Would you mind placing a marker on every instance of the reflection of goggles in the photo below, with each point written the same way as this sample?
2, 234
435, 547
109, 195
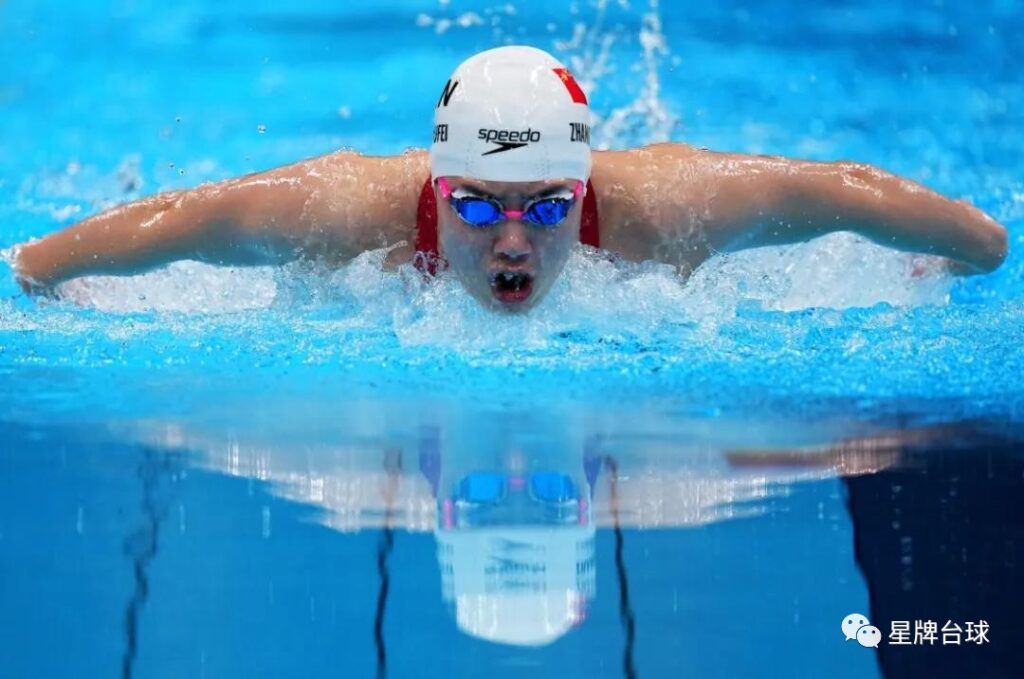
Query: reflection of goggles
483, 211
554, 498
489, 487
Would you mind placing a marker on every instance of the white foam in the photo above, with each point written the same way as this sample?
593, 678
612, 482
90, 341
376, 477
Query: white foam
183, 286
593, 293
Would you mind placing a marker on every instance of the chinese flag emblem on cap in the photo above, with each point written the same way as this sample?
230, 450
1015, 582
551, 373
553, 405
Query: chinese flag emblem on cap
570, 84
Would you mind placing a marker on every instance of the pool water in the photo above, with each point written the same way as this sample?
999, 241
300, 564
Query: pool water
263, 472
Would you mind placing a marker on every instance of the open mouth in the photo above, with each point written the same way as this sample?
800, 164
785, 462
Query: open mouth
511, 286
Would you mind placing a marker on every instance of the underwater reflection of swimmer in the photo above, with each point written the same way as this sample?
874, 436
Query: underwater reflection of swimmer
515, 543
514, 513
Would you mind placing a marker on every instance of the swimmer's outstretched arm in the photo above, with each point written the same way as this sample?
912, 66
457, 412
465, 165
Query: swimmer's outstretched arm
705, 202
332, 207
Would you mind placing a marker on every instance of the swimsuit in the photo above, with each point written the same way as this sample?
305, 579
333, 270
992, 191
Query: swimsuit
427, 257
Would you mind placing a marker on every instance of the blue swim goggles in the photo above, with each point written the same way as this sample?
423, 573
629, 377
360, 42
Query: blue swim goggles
479, 499
480, 211
489, 487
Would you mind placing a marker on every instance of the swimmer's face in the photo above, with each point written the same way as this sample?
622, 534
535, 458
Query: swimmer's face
510, 265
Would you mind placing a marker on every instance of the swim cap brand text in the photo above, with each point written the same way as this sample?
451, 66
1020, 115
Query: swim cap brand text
507, 139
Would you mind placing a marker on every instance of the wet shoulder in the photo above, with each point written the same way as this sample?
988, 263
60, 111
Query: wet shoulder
635, 188
372, 200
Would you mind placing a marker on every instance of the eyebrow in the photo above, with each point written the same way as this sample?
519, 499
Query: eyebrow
543, 193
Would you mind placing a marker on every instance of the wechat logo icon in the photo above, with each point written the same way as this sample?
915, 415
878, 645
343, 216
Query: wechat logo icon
857, 626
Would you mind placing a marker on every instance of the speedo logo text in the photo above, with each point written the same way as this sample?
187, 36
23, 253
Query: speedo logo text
507, 139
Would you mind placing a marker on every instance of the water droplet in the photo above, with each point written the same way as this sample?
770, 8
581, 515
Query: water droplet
181, 171
261, 128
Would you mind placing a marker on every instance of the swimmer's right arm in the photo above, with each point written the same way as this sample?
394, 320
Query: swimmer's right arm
332, 207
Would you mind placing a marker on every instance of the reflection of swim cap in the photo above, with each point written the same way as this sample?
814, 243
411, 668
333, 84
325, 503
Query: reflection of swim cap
511, 114
517, 585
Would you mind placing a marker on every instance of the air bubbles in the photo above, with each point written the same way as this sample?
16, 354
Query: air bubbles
129, 176
465, 20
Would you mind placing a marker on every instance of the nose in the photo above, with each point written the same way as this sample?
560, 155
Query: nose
512, 242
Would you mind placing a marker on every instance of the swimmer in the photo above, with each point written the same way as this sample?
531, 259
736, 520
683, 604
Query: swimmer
506, 190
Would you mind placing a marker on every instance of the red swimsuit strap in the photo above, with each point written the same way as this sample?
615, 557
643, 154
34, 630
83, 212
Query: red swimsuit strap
426, 229
426, 226
590, 232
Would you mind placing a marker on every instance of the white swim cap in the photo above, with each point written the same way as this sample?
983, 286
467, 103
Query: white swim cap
511, 114
518, 585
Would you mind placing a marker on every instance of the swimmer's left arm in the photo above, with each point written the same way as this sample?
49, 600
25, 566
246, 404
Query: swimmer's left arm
774, 201
680, 205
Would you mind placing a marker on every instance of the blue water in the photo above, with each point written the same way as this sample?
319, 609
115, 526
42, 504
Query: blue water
214, 472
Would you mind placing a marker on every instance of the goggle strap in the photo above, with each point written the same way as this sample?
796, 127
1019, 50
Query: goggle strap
446, 190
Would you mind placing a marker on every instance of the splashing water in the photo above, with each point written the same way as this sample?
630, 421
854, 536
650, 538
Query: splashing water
644, 120
783, 279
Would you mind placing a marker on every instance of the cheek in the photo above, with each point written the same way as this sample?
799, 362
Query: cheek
558, 246
462, 248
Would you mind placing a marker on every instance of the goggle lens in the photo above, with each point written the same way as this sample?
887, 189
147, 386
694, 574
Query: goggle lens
482, 488
477, 211
552, 487
549, 212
